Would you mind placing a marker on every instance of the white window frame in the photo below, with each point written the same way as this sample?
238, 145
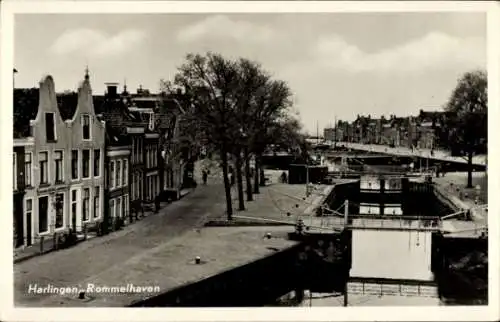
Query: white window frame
93, 162
62, 166
90, 167
118, 173
118, 207
78, 165
30, 170
63, 210
71, 203
98, 188
14, 170
90, 126
47, 232
40, 169
112, 169
125, 173
83, 203
125, 206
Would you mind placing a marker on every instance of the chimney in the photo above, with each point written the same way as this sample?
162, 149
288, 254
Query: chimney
112, 90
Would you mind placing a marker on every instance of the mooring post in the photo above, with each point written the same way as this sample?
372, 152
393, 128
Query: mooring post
345, 292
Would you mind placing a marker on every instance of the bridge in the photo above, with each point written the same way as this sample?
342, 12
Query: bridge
479, 160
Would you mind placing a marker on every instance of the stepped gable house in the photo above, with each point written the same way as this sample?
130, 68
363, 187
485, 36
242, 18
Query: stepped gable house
60, 142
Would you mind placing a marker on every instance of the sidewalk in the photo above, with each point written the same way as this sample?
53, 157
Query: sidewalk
453, 187
278, 202
22, 254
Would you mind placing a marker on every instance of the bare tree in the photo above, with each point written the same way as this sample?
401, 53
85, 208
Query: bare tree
208, 82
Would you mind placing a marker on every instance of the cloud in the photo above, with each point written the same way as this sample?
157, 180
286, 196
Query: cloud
90, 42
223, 27
433, 51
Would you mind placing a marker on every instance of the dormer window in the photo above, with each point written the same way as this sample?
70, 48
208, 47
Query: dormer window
86, 126
50, 129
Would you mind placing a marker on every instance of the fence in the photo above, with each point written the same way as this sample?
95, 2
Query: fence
402, 289
396, 223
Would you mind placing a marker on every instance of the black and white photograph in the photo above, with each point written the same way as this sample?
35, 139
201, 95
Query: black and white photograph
248, 158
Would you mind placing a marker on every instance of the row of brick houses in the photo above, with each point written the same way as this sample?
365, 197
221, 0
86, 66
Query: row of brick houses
80, 160
421, 131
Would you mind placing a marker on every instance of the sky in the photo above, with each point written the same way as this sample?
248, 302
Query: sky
338, 65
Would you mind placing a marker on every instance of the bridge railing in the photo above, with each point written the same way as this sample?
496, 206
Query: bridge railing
382, 222
400, 288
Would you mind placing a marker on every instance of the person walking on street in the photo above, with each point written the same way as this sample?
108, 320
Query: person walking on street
205, 176
231, 178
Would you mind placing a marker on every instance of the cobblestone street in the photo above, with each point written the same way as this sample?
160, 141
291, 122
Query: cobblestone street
94, 256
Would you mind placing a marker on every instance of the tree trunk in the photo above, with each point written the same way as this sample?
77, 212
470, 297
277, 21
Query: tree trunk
227, 186
248, 176
256, 175
239, 182
469, 169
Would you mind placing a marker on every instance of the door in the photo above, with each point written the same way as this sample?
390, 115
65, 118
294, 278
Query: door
76, 211
28, 229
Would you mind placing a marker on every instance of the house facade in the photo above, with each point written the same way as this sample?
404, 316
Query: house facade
22, 234
123, 151
59, 149
173, 162
117, 192
86, 161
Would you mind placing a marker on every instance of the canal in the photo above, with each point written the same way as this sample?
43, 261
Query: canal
402, 262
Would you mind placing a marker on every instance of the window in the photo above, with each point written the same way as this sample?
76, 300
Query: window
133, 150
97, 193
97, 162
50, 130
43, 214
125, 206
14, 170
125, 172
86, 163
73, 208
27, 169
74, 164
58, 160
86, 126
139, 151
118, 173
42, 159
59, 207
85, 204
119, 207
112, 208
112, 174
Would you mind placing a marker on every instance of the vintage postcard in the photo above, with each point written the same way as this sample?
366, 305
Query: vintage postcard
243, 161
